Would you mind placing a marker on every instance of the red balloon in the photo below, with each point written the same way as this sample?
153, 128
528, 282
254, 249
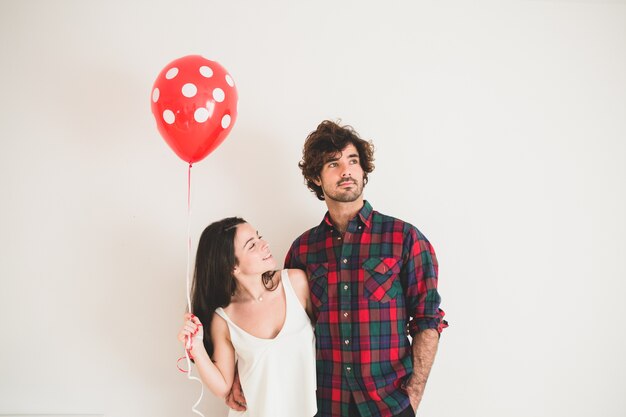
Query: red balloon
194, 102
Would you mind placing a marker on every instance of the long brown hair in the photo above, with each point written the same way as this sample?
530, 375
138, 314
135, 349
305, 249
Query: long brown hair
214, 283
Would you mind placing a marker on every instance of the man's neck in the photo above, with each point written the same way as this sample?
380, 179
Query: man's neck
342, 213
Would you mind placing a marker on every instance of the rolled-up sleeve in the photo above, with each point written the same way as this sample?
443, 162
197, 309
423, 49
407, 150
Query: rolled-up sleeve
419, 279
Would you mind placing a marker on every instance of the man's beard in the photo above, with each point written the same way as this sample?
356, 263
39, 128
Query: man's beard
345, 196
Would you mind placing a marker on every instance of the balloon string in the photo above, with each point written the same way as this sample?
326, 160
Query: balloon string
189, 341
194, 378
189, 238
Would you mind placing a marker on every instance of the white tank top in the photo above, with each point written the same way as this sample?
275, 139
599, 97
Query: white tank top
277, 375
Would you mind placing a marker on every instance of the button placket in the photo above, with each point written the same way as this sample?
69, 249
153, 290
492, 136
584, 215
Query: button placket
345, 302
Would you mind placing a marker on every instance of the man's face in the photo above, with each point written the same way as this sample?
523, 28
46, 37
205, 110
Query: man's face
341, 178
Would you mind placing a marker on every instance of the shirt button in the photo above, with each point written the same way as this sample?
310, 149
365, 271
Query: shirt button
345, 287
338, 237
345, 260
347, 341
348, 369
345, 314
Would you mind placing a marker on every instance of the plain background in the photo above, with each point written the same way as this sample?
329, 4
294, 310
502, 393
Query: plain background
500, 130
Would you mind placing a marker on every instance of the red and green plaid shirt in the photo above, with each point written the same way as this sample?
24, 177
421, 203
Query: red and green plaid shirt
369, 288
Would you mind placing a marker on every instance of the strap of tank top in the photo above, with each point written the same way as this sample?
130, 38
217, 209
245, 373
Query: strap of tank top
220, 312
289, 292
291, 298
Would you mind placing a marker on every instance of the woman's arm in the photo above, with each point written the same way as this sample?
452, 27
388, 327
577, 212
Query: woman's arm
217, 374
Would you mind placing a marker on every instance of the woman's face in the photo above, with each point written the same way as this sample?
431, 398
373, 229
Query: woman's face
252, 252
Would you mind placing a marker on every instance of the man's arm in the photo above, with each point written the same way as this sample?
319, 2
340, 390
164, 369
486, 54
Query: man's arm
421, 275
235, 398
424, 350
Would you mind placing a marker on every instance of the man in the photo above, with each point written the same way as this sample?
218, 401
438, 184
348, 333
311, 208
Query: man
372, 279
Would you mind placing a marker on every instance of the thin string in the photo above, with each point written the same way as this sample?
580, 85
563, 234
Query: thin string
188, 238
189, 338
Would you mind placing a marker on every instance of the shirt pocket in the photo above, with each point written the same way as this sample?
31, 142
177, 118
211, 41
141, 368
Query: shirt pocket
318, 284
381, 281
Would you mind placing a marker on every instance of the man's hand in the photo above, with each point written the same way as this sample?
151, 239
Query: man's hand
415, 390
424, 350
235, 398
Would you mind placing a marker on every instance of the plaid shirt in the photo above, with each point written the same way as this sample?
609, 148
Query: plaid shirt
369, 288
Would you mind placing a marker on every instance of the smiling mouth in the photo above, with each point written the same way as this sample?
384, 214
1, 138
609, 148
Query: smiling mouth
267, 257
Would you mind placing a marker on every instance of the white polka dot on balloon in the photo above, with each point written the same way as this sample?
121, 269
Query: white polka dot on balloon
201, 114
171, 73
169, 116
206, 71
155, 95
225, 121
229, 80
218, 95
189, 90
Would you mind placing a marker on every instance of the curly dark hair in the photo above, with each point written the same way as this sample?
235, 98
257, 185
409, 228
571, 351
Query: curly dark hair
326, 141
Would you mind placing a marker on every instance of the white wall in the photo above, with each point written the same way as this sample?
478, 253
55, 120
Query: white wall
500, 129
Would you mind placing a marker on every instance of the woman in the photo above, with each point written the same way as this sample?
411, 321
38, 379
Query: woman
256, 319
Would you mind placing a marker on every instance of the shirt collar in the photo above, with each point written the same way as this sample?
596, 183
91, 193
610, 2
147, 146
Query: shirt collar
364, 215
